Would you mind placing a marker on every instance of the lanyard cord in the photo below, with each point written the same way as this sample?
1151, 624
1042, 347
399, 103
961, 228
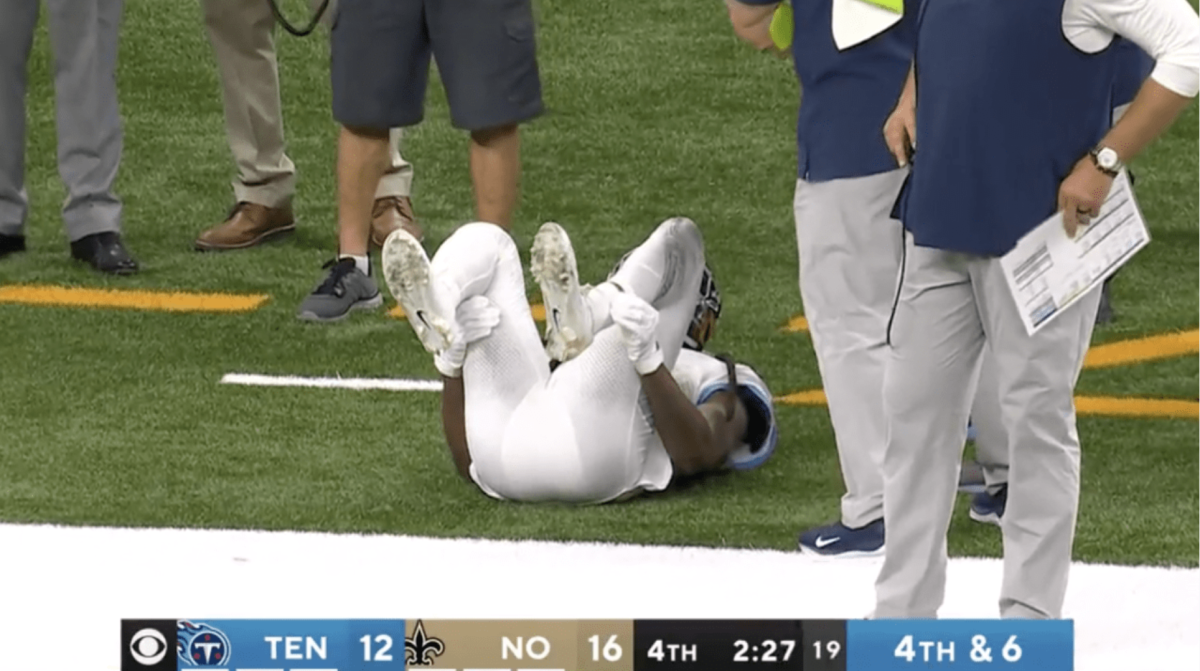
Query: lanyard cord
307, 30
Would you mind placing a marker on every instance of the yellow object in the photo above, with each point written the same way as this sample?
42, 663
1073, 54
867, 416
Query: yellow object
166, 301
890, 5
782, 26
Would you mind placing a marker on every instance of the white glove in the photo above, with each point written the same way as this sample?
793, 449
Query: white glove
639, 330
474, 320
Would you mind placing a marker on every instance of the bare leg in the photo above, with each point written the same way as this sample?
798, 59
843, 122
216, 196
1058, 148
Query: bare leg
496, 173
363, 157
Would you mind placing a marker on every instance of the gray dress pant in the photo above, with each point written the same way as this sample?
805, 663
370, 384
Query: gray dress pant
84, 36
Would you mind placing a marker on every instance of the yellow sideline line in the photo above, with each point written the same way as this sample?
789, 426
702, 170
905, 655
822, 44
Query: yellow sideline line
1107, 406
1103, 355
538, 310
167, 301
1143, 349
797, 324
1125, 352
1110, 406
810, 397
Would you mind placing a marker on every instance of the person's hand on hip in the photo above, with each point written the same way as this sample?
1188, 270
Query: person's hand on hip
900, 130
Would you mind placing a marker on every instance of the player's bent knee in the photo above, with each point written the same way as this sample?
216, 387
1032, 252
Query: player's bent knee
683, 229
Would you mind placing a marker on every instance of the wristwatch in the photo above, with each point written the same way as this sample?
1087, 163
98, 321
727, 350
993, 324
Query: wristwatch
1106, 160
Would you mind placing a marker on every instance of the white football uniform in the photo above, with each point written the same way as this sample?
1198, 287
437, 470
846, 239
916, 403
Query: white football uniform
584, 433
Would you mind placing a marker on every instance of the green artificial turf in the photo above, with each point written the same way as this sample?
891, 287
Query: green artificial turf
654, 109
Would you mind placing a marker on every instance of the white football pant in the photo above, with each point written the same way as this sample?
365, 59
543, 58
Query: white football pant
584, 433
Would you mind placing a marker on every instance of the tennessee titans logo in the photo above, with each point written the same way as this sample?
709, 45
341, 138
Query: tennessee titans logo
202, 645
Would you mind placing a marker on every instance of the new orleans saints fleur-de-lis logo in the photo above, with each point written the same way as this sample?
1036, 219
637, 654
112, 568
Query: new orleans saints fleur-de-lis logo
421, 649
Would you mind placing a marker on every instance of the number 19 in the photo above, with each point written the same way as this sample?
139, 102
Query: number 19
832, 648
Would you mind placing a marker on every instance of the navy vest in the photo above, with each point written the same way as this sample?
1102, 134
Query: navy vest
1133, 67
1005, 108
847, 95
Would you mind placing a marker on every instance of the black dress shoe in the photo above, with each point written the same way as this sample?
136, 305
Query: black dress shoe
10, 244
105, 253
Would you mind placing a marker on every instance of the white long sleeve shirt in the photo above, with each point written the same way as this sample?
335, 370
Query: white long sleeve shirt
1168, 30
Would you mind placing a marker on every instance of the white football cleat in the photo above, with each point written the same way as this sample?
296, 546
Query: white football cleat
409, 277
568, 318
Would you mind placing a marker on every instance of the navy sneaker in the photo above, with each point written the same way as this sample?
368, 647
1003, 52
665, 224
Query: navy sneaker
989, 508
839, 540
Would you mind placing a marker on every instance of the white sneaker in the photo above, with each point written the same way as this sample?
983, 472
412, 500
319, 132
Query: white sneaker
408, 275
568, 319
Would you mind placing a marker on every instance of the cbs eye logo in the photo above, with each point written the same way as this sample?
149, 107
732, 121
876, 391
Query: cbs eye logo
148, 647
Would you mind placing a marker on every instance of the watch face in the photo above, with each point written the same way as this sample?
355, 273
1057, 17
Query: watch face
1107, 158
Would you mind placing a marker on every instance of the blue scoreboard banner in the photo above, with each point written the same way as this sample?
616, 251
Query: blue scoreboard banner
345, 645
1013, 645
596, 645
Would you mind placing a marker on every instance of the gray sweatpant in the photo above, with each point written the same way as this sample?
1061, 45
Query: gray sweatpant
84, 36
850, 249
950, 307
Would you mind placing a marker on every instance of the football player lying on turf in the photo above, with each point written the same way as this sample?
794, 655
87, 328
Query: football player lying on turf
625, 410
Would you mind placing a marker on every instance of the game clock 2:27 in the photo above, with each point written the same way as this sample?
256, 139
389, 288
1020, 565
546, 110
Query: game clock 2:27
766, 652
752, 645
780, 652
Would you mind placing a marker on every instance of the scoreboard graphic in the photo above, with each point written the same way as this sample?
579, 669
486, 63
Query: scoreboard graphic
595, 645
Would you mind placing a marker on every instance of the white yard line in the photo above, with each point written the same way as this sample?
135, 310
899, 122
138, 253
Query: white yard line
360, 383
1125, 617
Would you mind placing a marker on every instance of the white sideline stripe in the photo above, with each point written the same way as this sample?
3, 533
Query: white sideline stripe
360, 383
1125, 617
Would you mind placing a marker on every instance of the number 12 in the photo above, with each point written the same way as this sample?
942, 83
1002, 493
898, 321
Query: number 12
382, 654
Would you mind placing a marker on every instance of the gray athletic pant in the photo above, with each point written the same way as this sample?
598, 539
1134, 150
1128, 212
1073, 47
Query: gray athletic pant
84, 36
991, 438
991, 441
850, 249
950, 307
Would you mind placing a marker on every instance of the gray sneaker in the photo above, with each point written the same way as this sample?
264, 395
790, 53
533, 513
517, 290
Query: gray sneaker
346, 289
